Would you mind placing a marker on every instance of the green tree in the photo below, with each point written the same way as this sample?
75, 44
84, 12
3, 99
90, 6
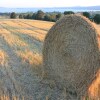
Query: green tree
40, 15
68, 12
47, 18
29, 16
53, 17
13, 15
34, 16
58, 16
86, 14
97, 18
20, 16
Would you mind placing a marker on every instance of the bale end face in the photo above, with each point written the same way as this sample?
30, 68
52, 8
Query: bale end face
71, 54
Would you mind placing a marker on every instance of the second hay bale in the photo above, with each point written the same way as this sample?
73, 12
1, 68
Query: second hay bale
71, 54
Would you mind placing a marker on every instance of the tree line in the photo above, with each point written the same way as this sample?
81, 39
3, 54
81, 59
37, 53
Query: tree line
53, 17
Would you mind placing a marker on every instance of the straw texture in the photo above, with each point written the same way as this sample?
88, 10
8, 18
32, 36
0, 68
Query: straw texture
71, 55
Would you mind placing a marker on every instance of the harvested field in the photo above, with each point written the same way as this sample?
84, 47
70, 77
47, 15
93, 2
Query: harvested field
21, 59
21, 43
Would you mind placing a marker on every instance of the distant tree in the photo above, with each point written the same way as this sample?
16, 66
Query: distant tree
34, 16
53, 17
86, 14
29, 16
21, 16
40, 15
47, 18
58, 16
68, 12
24, 16
13, 15
97, 18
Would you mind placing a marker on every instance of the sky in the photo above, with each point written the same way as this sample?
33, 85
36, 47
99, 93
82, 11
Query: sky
48, 3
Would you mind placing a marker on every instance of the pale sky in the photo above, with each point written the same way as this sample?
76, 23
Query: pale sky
48, 3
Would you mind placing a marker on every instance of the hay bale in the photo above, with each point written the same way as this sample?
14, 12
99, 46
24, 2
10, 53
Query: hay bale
71, 54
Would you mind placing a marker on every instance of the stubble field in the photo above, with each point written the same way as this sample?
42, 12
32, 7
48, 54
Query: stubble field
21, 44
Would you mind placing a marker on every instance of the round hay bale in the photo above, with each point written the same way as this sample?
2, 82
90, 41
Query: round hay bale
71, 54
